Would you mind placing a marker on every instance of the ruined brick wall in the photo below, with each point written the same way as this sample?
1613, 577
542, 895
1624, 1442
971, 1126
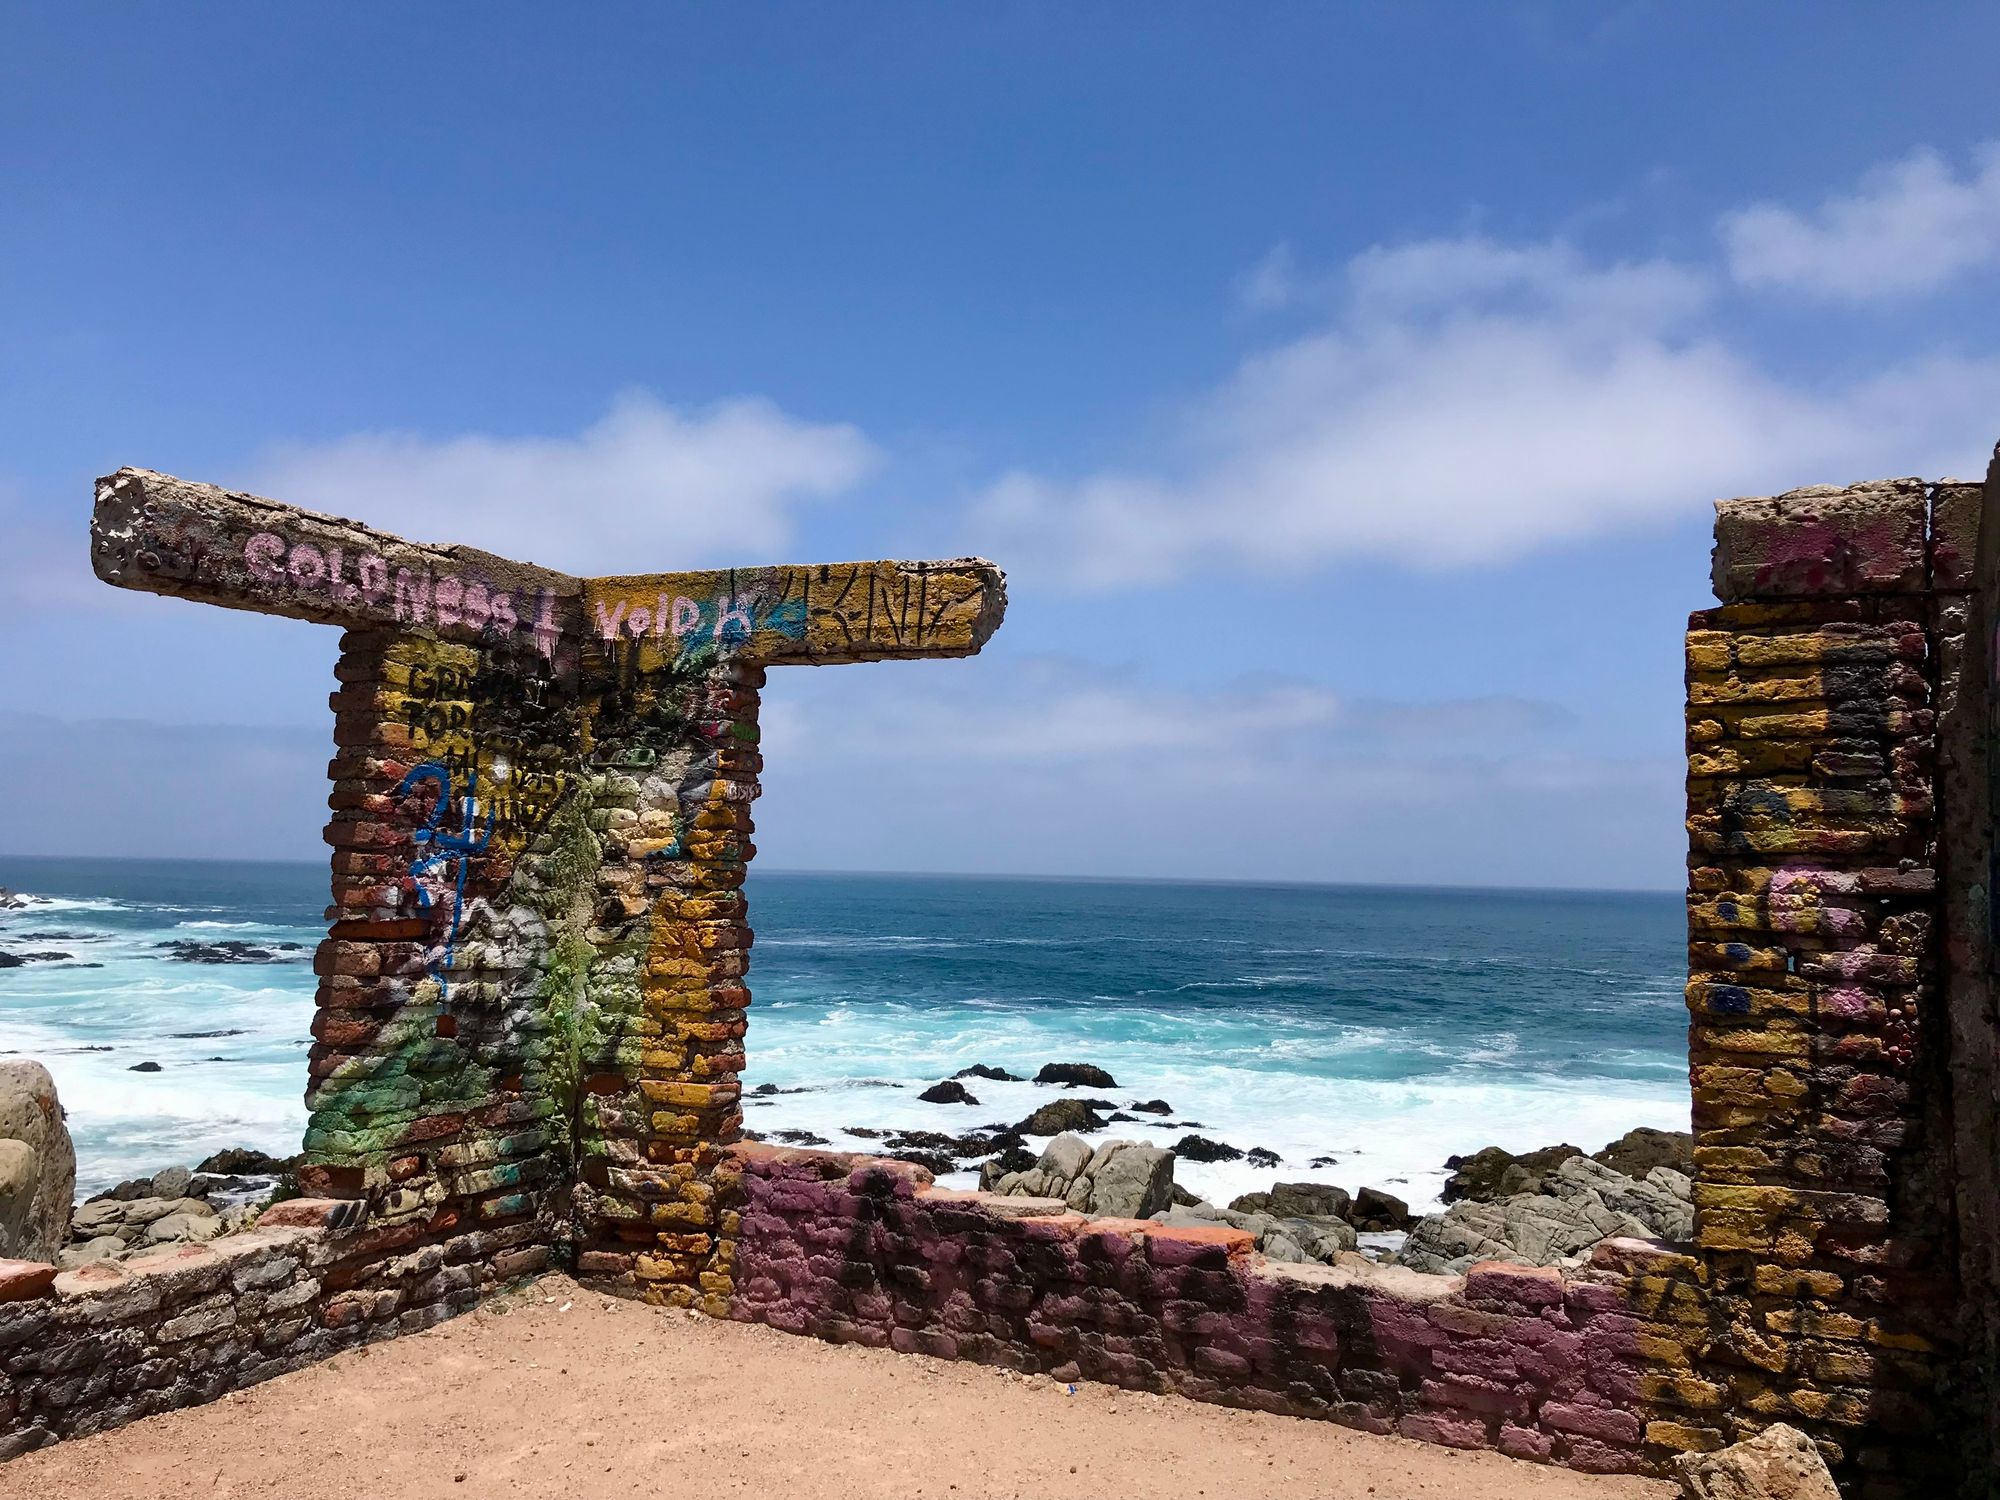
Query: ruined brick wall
90, 1349
1540, 1364
1818, 1043
533, 997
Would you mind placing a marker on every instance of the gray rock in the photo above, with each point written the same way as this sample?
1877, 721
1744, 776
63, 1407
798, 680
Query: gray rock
1297, 1200
95, 1218
1129, 1180
1492, 1174
1067, 1156
1637, 1152
173, 1182
177, 1227
83, 1252
1120, 1179
37, 1167
1298, 1240
1582, 1201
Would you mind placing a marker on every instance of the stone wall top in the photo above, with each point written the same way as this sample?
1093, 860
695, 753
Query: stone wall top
164, 535
1822, 541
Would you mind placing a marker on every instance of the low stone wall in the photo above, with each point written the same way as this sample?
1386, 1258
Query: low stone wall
90, 1349
1535, 1363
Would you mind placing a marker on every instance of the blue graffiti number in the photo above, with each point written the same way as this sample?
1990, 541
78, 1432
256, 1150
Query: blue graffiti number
437, 847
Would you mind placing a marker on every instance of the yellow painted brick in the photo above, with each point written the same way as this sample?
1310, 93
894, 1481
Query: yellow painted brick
1888, 1338
1682, 1438
1683, 1390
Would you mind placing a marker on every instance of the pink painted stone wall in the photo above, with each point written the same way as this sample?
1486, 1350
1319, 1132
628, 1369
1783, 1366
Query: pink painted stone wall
1532, 1362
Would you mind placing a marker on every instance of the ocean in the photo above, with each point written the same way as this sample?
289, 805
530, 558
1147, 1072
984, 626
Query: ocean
1383, 1028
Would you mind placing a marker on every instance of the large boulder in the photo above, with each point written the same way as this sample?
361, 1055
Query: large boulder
1492, 1174
1120, 1179
1376, 1211
1127, 1181
1296, 1200
1637, 1152
1779, 1463
37, 1164
1581, 1202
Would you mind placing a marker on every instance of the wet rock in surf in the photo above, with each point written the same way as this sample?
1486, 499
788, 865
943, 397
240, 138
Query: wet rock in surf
230, 951
1072, 1074
981, 1070
1061, 1115
951, 1091
1201, 1148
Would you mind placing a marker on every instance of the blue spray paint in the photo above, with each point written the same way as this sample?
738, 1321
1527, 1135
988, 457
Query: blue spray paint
446, 847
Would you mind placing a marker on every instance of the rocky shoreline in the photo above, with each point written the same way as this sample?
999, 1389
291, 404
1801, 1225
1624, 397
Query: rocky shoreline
1546, 1207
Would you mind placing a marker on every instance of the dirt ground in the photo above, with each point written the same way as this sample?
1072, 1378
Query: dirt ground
559, 1392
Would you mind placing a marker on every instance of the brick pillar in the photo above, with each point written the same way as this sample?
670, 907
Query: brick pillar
429, 1091
674, 764
1817, 1039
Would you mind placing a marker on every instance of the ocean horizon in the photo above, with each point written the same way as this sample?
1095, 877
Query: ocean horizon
1374, 1030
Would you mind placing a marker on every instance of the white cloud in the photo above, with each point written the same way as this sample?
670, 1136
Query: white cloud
1470, 402
646, 487
1909, 227
1272, 283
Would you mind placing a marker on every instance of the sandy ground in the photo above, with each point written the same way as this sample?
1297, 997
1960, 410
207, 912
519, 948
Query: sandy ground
559, 1392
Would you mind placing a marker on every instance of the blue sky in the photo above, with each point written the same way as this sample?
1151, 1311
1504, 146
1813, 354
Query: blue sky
1344, 391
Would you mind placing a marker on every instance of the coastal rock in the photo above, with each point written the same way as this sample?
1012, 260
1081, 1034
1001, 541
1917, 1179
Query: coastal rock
172, 1182
37, 1164
1257, 1156
1637, 1152
1122, 1179
1286, 1200
1582, 1202
1201, 1148
1375, 1212
1779, 1463
1151, 1107
1072, 1074
183, 1226
9, 901
1013, 1159
144, 1067
1492, 1174
84, 1252
1061, 1115
1298, 1239
951, 1091
15, 960
997, 1075
242, 1161
231, 951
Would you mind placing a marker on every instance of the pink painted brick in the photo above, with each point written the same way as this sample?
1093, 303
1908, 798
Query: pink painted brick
1605, 1423
1438, 1427
1517, 1286
1525, 1442
22, 1279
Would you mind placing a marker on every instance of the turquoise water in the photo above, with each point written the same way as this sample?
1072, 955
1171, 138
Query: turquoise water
1384, 1028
